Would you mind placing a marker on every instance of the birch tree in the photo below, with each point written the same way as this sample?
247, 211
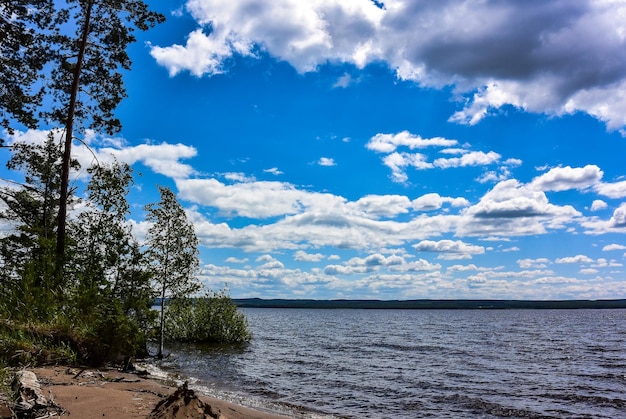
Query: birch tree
172, 252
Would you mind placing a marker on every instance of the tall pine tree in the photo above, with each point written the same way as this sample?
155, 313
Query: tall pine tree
62, 63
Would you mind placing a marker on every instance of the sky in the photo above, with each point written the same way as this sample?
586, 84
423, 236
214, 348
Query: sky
361, 149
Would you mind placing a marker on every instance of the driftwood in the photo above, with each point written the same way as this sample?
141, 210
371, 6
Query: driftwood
30, 401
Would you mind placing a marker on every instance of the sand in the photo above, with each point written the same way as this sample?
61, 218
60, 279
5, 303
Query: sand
101, 393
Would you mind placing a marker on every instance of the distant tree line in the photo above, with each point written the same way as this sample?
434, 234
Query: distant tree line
427, 304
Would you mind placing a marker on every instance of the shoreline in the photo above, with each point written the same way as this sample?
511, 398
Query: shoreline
106, 392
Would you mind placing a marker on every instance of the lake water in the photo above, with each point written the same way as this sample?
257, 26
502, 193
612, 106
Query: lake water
420, 363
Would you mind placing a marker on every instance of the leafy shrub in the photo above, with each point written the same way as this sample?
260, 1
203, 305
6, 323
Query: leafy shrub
213, 318
35, 345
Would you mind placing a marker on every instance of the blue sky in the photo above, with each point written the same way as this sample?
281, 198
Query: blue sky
385, 150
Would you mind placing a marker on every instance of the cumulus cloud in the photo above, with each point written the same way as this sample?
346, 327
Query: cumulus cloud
556, 57
233, 259
539, 263
598, 205
613, 246
326, 161
565, 178
475, 158
259, 199
376, 206
399, 161
273, 171
376, 262
388, 143
615, 224
619, 216
511, 208
450, 249
434, 201
612, 190
575, 259
302, 256
510, 199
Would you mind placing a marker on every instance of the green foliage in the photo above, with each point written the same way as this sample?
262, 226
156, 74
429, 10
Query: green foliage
23, 54
23, 344
172, 252
101, 306
29, 283
213, 318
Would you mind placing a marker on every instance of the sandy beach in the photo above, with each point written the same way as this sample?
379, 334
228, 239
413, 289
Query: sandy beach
97, 393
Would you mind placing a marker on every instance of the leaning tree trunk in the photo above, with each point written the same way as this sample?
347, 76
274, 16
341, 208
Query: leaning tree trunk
69, 134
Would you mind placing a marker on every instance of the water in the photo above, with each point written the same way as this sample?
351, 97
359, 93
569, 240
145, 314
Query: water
421, 363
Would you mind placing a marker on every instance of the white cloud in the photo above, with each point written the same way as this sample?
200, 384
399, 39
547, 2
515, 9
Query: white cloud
326, 161
303, 256
613, 246
376, 206
554, 58
455, 249
616, 224
260, 199
236, 260
398, 162
565, 178
161, 158
475, 158
612, 190
273, 171
434, 201
202, 54
510, 249
388, 143
598, 205
539, 263
619, 216
344, 81
511, 208
575, 259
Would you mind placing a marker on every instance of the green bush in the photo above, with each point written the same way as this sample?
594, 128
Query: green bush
213, 318
22, 345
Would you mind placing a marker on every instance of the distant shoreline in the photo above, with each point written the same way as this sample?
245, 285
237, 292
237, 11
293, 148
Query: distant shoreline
430, 304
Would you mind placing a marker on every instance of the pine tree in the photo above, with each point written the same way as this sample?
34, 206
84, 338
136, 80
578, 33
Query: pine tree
54, 76
29, 281
24, 50
91, 62
172, 252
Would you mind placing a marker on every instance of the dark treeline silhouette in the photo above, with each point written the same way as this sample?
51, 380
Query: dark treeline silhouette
431, 304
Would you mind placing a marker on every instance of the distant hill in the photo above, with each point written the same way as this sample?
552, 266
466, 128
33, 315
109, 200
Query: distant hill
428, 304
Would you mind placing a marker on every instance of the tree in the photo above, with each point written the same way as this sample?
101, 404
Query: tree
101, 236
27, 253
73, 79
23, 54
112, 296
172, 252
104, 31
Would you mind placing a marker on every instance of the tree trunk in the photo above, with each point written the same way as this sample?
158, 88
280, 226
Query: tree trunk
162, 337
69, 134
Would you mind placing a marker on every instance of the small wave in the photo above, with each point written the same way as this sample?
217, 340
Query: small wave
483, 407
